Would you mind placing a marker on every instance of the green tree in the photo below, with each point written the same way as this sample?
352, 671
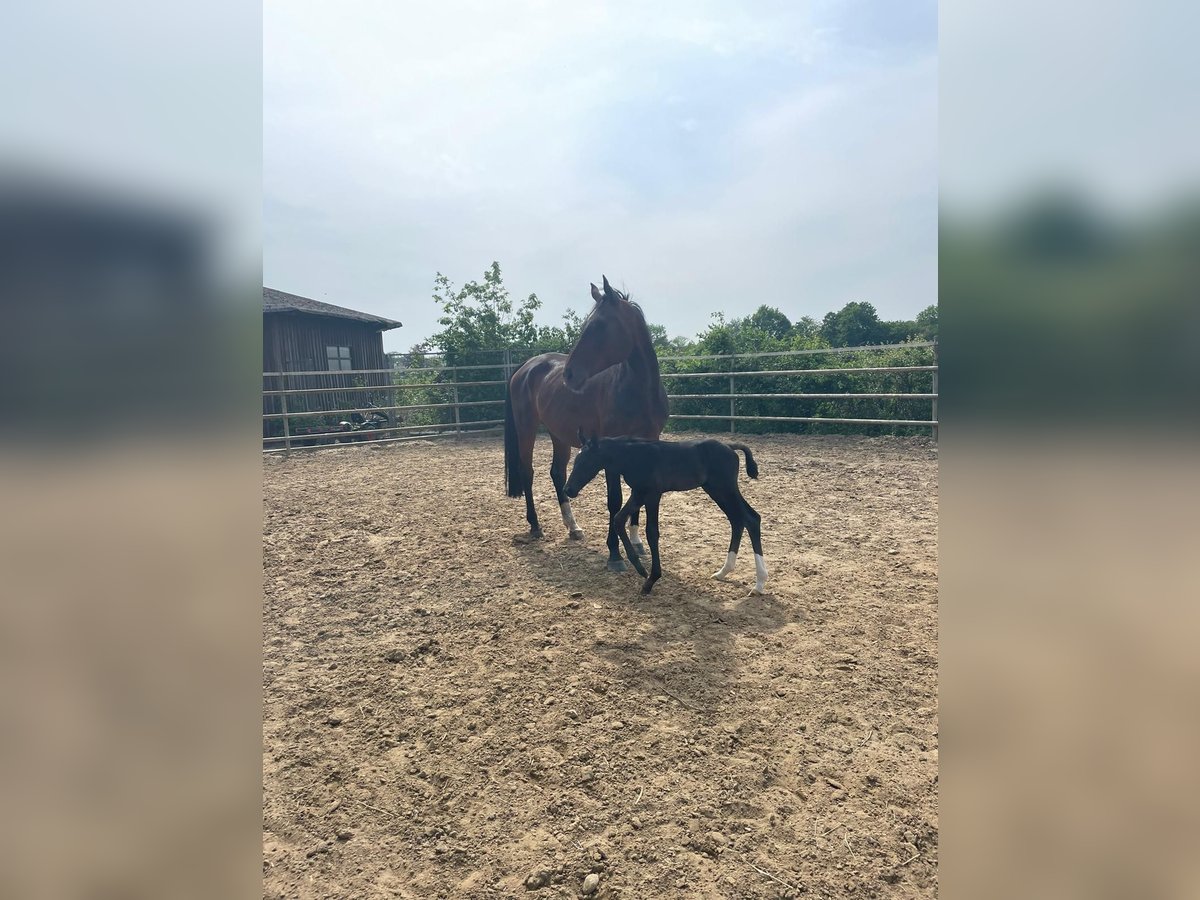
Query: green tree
557, 338
854, 325
482, 316
720, 337
896, 332
927, 322
770, 320
805, 327
660, 339
572, 326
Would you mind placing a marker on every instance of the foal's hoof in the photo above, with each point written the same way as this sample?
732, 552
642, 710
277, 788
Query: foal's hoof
640, 550
577, 534
616, 565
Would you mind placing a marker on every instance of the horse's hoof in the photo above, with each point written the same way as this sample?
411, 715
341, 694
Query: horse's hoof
577, 534
647, 587
535, 534
616, 565
720, 575
640, 550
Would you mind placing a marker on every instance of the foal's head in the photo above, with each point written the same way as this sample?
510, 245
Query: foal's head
588, 464
609, 335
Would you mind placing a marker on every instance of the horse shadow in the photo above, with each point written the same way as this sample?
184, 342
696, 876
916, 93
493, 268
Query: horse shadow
678, 640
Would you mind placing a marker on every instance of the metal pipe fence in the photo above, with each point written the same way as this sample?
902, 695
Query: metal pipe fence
286, 409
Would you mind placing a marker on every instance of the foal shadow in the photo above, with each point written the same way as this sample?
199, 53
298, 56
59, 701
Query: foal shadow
677, 640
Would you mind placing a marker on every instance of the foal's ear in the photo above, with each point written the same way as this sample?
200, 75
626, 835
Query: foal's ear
596, 295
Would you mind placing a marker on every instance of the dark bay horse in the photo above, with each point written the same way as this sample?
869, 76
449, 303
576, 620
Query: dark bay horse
609, 385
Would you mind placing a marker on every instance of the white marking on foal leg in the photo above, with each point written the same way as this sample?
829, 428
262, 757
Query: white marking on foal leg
569, 520
730, 562
636, 540
760, 573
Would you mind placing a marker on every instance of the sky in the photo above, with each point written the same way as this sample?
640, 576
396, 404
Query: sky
704, 156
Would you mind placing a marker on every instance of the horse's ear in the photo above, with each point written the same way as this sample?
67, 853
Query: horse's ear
596, 295
582, 440
608, 291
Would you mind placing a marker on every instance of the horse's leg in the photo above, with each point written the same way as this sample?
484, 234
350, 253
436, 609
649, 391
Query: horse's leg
627, 510
652, 536
558, 474
638, 546
754, 526
613, 481
535, 530
732, 507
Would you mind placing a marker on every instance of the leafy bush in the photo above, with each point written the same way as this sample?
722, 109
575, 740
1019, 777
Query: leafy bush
485, 330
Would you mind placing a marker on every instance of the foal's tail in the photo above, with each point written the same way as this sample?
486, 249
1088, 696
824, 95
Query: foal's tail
751, 465
514, 482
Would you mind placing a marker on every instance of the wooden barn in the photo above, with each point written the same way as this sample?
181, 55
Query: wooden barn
311, 343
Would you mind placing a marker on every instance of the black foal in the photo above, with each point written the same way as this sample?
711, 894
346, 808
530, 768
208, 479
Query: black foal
651, 468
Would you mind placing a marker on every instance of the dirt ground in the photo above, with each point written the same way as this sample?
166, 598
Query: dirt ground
452, 713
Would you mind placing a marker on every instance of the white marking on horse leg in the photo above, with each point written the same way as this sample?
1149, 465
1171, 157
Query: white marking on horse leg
636, 540
569, 520
760, 573
730, 562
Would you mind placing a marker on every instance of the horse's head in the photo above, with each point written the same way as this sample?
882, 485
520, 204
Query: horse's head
588, 464
608, 336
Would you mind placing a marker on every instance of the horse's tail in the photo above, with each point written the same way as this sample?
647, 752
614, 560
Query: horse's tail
514, 482
751, 465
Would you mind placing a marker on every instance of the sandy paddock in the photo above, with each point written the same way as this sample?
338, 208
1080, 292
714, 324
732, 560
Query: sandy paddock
452, 713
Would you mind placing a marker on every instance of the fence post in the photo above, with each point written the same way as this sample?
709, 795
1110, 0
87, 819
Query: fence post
507, 371
934, 414
732, 402
457, 420
287, 431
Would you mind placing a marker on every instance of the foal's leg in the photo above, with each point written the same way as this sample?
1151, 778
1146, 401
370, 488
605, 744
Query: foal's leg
636, 540
737, 524
613, 481
629, 509
558, 474
652, 536
754, 525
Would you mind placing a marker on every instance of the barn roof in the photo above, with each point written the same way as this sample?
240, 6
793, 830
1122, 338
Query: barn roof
281, 302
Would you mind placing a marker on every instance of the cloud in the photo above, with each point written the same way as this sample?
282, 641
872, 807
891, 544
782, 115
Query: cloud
711, 156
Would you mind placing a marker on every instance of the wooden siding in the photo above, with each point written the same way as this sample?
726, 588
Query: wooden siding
295, 342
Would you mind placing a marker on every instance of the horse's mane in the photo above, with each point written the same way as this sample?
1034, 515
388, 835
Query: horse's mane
625, 298
649, 356
636, 307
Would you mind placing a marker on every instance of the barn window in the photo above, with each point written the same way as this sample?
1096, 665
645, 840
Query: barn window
339, 358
